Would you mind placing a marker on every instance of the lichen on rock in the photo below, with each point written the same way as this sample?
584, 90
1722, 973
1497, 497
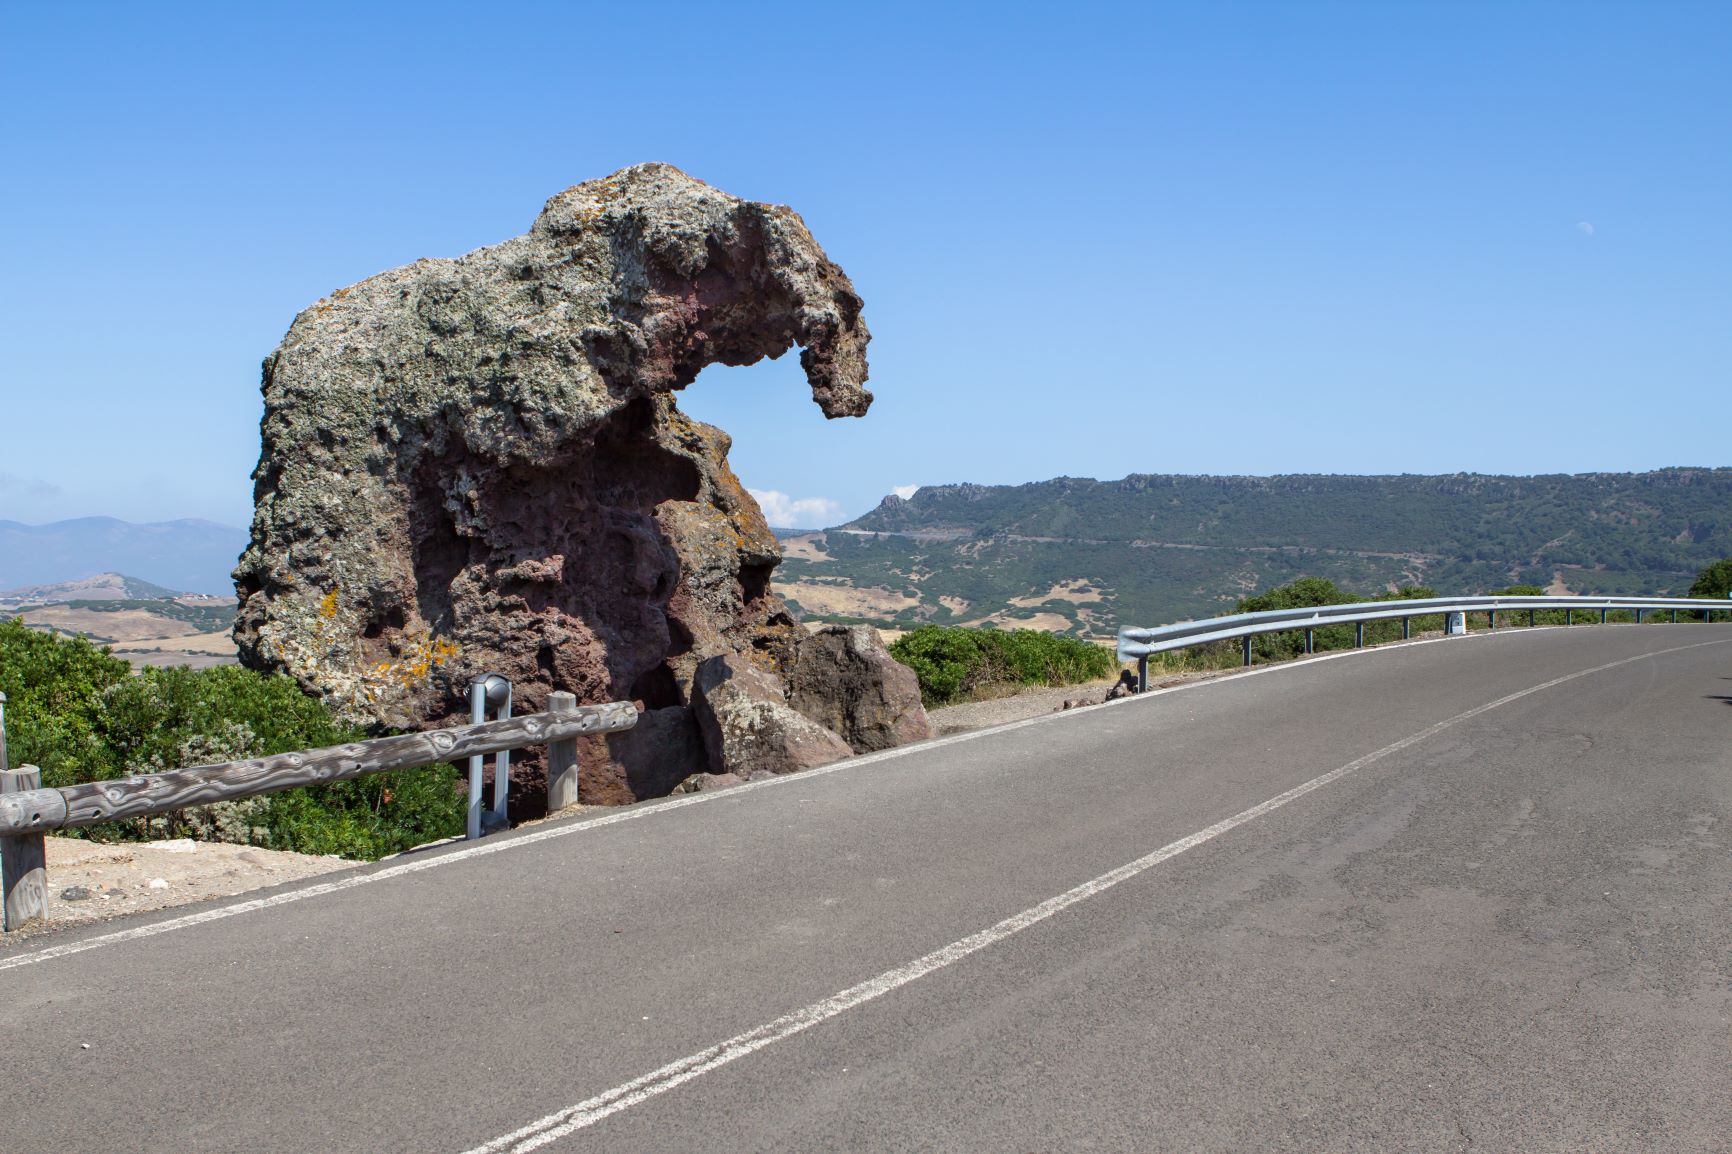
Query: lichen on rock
478, 464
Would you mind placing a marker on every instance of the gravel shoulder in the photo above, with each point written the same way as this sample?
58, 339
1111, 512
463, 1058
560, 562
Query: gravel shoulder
973, 715
92, 881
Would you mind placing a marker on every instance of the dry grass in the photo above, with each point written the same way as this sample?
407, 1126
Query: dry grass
119, 625
845, 600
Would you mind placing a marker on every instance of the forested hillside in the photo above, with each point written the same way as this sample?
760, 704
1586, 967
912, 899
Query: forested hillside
1081, 555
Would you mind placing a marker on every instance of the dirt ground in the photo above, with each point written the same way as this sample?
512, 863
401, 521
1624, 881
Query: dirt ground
93, 881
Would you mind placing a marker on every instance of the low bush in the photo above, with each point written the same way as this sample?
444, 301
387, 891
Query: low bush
78, 713
958, 664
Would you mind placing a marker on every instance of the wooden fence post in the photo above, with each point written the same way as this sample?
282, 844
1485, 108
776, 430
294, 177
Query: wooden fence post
561, 758
23, 860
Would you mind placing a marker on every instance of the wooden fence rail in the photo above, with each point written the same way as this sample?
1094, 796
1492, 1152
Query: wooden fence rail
28, 813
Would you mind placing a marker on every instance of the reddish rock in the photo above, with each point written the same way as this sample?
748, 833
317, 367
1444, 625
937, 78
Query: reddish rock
844, 679
477, 464
748, 726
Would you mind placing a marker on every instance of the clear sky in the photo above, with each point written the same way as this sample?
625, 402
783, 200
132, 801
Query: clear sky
1092, 239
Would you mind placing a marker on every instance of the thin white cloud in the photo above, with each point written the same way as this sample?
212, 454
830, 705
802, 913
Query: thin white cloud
785, 512
1586, 226
906, 491
12, 483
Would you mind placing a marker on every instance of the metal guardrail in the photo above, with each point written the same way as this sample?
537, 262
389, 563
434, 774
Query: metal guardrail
1141, 644
28, 811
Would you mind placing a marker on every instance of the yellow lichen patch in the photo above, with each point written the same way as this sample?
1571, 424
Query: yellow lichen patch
333, 656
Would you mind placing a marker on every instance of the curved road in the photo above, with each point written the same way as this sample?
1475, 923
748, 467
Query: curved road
1468, 894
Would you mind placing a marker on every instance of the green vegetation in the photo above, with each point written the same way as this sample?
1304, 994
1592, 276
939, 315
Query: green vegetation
956, 664
77, 712
1713, 581
1307, 592
1157, 549
207, 618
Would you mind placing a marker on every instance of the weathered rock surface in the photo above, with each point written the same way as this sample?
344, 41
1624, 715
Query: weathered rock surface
477, 464
844, 679
749, 727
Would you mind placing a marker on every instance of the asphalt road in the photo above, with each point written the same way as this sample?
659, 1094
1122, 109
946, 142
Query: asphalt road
1470, 894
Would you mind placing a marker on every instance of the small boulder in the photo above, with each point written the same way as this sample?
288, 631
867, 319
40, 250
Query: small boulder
76, 894
748, 726
845, 680
706, 782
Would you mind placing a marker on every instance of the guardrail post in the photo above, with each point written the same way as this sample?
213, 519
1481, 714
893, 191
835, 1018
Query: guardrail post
1247, 645
1569, 617
1674, 617
561, 757
1310, 645
1491, 618
23, 861
1359, 635
488, 689
1530, 618
1142, 673
1406, 628
1602, 617
1638, 616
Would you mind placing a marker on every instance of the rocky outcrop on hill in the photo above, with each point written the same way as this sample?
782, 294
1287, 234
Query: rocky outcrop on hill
477, 464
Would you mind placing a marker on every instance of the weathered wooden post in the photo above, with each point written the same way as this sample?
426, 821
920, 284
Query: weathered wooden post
561, 757
23, 860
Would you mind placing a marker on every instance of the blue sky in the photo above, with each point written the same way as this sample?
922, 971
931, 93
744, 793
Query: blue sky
1092, 239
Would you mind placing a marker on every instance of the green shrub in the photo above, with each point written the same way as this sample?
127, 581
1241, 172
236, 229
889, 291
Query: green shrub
955, 663
82, 717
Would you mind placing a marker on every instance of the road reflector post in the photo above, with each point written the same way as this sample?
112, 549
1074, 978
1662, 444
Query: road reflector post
23, 860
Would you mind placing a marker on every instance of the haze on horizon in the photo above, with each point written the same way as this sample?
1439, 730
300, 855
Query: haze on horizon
1124, 238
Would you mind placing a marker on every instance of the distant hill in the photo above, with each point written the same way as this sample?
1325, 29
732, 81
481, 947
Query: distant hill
100, 587
1083, 555
142, 622
188, 554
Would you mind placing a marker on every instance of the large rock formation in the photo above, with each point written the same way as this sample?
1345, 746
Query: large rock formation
478, 464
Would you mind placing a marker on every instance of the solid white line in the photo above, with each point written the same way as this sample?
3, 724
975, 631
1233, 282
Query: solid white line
659, 1081
517, 841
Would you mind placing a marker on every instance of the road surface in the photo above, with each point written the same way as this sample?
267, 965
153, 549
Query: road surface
1464, 894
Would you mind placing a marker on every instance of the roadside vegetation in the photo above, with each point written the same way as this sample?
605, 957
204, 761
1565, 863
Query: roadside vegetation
1306, 592
957, 664
78, 712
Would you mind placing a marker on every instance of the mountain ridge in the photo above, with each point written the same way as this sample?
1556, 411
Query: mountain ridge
1149, 547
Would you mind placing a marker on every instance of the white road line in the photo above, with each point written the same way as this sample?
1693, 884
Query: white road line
517, 841
659, 1081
